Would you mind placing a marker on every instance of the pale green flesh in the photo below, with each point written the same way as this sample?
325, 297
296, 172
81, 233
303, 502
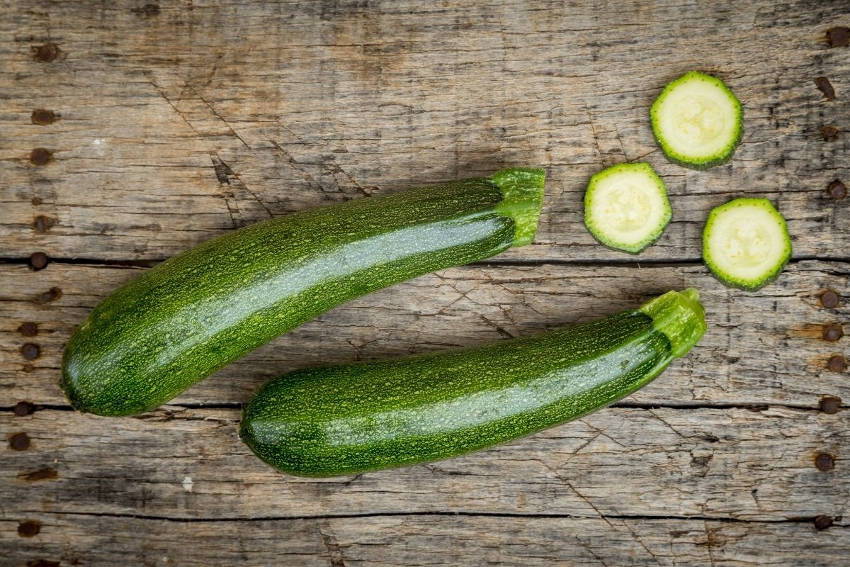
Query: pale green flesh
351, 418
626, 207
697, 120
746, 243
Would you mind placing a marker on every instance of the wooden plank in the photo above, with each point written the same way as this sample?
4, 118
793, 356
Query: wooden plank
175, 121
426, 540
183, 463
762, 348
262, 109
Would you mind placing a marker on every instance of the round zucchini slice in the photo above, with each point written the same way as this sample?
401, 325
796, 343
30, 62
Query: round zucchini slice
626, 207
746, 243
697, 121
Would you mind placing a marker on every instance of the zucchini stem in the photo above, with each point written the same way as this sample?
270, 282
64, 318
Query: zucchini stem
522, 198
679, 316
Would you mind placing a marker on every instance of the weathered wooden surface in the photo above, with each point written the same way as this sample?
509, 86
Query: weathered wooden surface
302, 103
760, 348
413, 539
731, 463
132, 130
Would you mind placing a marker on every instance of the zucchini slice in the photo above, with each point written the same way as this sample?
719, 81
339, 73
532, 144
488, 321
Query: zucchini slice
746, 243
626, 207
697, 121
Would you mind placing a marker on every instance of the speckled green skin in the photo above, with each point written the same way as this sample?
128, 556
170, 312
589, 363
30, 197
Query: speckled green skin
351, 418
191, 315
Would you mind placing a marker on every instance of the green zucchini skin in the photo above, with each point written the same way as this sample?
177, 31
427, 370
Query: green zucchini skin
196, 312
351, 418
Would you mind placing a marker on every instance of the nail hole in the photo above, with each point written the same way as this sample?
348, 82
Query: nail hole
28, 329
30, 351
43, 117
830, 404
38, 261
29, 528
832, 332
836, 363
829, 299
23, 408
836, 190
46, 53
822, 522
825, 87
42, 223
838, 36
40, 156
19, 442
51, 294
824, 462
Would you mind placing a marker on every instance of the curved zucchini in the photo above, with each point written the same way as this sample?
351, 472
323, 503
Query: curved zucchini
350, 418
194, 313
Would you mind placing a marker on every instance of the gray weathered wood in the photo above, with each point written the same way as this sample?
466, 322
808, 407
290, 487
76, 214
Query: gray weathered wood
418, 540
764, 347
300, 105
663, 462
175, 121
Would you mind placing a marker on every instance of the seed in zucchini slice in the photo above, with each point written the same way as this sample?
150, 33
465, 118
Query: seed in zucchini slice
626, 207
697, 121
746, 243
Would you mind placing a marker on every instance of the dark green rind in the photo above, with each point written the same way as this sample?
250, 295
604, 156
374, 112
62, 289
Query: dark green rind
196, 312
345, 419
679, 159
728, 280
598, 233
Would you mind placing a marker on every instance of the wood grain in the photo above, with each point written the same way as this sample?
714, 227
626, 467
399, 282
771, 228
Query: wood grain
132, 130
413, 539
719, 464
248, 111
762, 348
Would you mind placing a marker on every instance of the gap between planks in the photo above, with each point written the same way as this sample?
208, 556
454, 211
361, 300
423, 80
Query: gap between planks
622, 404
619, 262
294, 518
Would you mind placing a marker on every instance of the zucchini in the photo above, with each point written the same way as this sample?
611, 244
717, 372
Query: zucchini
746, 243
194, 313
626, 207
697, 121
350, 418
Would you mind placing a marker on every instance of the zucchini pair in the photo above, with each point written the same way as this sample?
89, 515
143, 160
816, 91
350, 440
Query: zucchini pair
196, 312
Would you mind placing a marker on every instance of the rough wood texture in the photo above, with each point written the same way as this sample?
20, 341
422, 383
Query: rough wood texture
764, 347
412, 539
731, 463
179, 123
133, 130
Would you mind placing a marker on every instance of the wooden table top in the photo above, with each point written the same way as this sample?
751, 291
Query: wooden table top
130, 131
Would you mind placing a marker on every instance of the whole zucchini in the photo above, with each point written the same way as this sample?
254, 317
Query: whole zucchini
350, 418
192, 314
